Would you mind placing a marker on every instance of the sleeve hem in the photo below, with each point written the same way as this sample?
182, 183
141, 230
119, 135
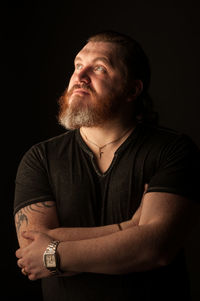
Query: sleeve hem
173, 191
39, 199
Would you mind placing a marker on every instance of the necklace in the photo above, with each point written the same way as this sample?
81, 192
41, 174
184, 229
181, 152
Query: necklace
103, 146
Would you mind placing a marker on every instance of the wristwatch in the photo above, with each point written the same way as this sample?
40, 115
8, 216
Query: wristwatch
51, 258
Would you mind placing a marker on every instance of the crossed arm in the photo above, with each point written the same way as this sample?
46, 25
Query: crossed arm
150, 239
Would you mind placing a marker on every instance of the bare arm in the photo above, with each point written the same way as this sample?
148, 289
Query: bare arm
165, 219
38, 217
42, 217
80, 233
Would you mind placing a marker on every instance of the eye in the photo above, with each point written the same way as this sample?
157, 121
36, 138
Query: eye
100, 68
78, 66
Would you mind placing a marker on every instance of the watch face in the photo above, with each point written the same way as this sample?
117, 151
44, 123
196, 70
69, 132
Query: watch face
50, 260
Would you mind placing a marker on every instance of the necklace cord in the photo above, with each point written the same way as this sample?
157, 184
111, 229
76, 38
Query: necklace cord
101, 147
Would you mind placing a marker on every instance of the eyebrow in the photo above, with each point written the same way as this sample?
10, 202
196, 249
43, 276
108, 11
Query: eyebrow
99, 58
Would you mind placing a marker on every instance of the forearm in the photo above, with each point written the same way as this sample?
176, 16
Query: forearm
149, 244
154, 242
42, 217
134, 249
83, 233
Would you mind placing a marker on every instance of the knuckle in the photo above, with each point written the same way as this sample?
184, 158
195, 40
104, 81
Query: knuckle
19, 263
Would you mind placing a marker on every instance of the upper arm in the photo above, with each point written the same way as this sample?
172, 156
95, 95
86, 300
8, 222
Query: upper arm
40, 216
170, 206
34, 202
171, 218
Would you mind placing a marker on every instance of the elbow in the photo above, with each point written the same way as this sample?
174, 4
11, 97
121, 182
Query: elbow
161, 254
147, 261
164, 254
166, 258
162, 261
156, 260
153, 260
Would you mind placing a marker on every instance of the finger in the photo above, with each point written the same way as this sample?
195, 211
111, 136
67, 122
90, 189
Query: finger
18, 253
32, 277
20, 263
24, 272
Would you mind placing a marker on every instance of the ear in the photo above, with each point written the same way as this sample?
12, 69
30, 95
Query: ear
135, 90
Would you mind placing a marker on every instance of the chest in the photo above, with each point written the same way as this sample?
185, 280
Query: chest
85, 197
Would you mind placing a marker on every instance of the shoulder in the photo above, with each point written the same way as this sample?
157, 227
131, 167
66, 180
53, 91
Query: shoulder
52, 144
159, 133
177, 162
168, 138
39, 153
62, 139
166, 148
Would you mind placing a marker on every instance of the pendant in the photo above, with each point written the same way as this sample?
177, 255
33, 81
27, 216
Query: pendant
100, 154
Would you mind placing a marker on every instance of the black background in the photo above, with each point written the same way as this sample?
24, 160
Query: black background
39, 41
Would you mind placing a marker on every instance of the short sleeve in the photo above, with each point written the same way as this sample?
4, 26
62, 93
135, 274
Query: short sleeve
32, 181
179, 169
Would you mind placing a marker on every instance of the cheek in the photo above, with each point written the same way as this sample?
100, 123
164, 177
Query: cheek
109, 86
103, 86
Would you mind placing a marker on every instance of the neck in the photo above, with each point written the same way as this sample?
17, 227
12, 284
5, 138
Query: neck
107, 138
107, 132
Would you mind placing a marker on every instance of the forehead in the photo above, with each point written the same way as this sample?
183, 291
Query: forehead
107, 50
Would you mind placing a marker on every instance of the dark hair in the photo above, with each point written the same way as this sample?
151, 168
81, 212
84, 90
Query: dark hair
138, 67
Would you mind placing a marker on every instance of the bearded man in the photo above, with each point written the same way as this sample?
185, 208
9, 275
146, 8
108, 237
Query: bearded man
102, 211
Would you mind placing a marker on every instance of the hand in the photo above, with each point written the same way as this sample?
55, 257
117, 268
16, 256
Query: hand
31, 257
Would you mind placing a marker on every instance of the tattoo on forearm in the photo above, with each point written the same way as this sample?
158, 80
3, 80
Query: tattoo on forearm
21, 215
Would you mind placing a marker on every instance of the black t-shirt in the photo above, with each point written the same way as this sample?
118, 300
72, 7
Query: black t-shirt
63, 169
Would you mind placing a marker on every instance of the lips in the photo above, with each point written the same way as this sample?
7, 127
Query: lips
81, 91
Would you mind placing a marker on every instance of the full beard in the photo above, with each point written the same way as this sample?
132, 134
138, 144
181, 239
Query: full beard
76, 112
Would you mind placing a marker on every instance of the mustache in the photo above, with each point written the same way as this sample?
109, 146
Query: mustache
82, 86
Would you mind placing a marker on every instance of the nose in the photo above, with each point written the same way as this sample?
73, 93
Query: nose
83, 76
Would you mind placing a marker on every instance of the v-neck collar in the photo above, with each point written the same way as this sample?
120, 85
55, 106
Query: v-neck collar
118, 152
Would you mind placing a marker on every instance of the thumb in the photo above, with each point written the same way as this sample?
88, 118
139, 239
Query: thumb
29, 234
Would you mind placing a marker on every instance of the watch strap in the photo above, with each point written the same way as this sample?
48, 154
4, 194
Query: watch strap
52, 246
51, 249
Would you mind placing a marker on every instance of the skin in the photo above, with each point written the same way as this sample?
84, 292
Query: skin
156, 231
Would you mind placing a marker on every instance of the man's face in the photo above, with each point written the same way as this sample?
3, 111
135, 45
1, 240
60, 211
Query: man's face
96, 89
